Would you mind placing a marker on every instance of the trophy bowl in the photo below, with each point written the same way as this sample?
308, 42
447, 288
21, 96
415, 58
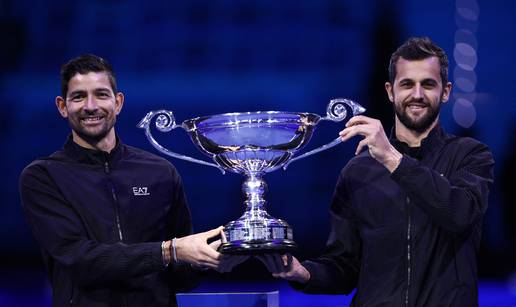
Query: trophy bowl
252, 144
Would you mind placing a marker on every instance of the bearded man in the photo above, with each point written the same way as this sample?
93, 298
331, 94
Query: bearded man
406, 213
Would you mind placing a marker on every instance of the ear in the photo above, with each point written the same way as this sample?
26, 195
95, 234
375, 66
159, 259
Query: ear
388, 89
61, 106
446, 92
119, 102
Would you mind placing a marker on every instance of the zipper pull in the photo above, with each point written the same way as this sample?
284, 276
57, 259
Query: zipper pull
106, 167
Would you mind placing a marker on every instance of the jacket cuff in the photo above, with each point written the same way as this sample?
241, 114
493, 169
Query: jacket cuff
406, 165
155, 256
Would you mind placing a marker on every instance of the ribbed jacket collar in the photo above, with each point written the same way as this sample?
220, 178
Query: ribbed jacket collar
92, 156
434, 140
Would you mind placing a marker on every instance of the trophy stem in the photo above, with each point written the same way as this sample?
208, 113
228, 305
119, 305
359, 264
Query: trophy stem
256, 232
254, 188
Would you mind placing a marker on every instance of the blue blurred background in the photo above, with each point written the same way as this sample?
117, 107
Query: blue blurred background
205, 57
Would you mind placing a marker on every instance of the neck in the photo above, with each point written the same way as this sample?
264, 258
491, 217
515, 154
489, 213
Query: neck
106, 144
411, 137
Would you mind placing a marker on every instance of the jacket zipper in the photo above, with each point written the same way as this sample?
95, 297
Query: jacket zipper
409, 246
115, 199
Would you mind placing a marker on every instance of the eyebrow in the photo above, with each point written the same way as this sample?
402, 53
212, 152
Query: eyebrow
76, 92
426, 80
406, 80
429, 80
99, 89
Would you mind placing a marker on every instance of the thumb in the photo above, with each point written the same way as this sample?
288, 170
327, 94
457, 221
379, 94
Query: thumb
211, 233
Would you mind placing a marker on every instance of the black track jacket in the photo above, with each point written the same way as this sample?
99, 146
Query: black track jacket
409, 238
100, 219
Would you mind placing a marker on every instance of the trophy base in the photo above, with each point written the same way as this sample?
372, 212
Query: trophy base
257, 236
258, 248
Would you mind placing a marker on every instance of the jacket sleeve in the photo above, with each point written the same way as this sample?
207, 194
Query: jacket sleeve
183, 277
61, 234
336, 270
455, 201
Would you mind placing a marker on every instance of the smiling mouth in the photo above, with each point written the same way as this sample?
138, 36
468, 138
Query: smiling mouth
92, 119
416, 106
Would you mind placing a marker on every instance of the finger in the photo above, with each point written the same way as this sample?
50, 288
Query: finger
206, 262
223, 236
346, 134
211, 233
294, 261
278, 263
285, 260
362, 143
350, 132
215, 244
209, 259
209, 265
210, 253
343, 132
284, 263
358, 119
364, 130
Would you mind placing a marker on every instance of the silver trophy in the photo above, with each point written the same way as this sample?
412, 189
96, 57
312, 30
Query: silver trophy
252, 144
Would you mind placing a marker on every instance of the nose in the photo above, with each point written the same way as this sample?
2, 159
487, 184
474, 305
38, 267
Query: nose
417, 92
90, 104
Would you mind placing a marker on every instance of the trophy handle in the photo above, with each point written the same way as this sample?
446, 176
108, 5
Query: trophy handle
335, 112
165, 122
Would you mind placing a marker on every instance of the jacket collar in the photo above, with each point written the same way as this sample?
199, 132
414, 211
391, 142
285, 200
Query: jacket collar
92, 156
434, 140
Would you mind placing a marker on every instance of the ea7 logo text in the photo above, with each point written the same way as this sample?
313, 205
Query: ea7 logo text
140, 191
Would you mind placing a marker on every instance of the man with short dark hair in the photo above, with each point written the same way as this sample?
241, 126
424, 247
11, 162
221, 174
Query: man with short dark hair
112, 220
407, 213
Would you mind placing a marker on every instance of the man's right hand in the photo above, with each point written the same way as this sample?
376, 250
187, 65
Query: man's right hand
286, 267
194, 249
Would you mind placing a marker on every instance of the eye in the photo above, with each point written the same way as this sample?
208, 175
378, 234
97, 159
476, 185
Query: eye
77, 97
103, 95
406, 84
429, 85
